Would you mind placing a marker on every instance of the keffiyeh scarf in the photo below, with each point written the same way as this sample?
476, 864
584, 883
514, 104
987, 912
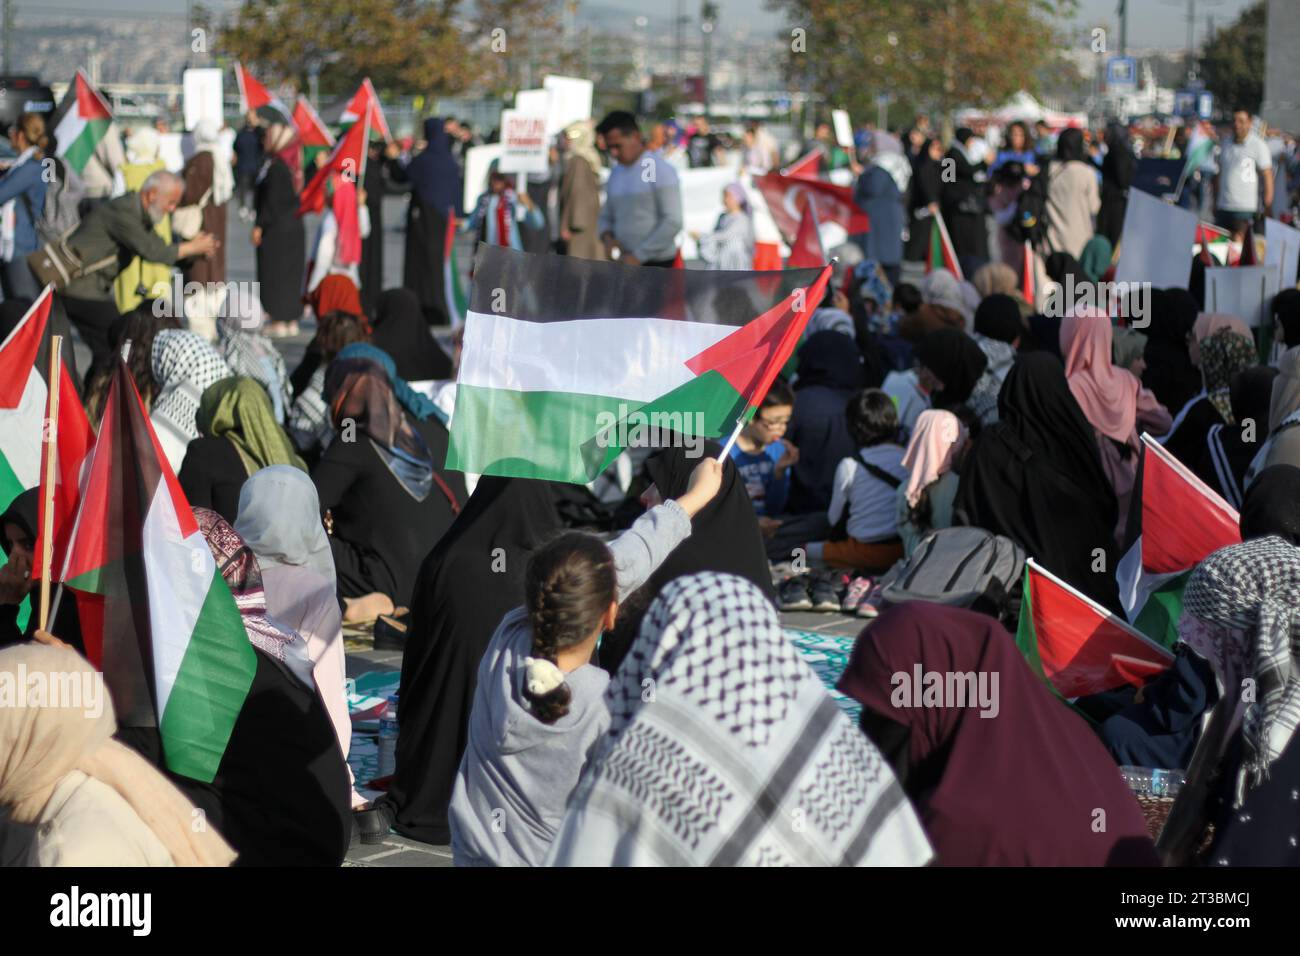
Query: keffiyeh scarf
184, 365
1223, 355
250, 353
1241, 612
724, 749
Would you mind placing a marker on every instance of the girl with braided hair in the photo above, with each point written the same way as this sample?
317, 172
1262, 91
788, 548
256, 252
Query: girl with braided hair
539, 705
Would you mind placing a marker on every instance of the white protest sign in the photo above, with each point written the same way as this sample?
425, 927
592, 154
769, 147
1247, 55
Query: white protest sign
843, 128
201, 94
1156, 244
1282, 251
534, 102
570, 101
1243, 291
477, 161
524, 143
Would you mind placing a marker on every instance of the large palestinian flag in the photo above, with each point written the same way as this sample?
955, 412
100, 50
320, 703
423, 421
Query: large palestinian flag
366, 96
24, 402
568, 361
1076, 645
156, 615
348, 159
81, 122
256, 97
1175, 522
786, 197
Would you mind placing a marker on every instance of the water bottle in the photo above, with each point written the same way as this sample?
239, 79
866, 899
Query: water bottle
388, 738
1153, 781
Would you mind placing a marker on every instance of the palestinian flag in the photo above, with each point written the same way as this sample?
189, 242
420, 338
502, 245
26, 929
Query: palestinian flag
1214, 245
81, 122
1027, 270
806, 167
1175, 522
313, 135
356, 109
256, 97
807, 251
1200, 147
348, 159
566, 361
451, 284
786, 197
156, 616
942, 254
24, 409
1076, 645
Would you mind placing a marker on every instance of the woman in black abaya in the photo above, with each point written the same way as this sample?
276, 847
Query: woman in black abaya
278, 233
400, 330
1036, 477
372, 246
435, 192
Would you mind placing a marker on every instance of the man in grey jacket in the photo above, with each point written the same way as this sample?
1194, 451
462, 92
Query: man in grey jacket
642, 214
123, 227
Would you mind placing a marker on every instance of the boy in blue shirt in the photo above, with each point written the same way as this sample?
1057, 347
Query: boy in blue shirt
762, 457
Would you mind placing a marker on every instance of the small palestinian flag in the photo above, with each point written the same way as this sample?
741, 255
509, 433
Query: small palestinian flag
807, 251
24, 409
356, 109
942, 254
1175, 522
256, 97
313, 135
157, 618
1214, 245
348, 159
567, 361
81, 122
1076, 645
451, 284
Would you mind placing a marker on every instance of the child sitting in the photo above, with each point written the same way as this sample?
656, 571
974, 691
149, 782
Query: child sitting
762, 458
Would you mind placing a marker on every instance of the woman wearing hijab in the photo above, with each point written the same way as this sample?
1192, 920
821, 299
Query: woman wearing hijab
927, 192
1229, 449
963, 195
435, 184
1240, 615
459, 599
238, 436
401, 332
1283, 445
1220, 355
1272, 505
278, 234
1286, 318
141, 280
724, 538
1095, 258
925, 500
1169, 371
1117, 170
374, 185
249, 352
879, 193
1036, 477
830, 373
1113, 401
279, 520
209, 182
1012, 779
184, 365
383, 486
92, 801
1128, 351
310, 426
580, 193
730, 246
343, 227
950, 366
710, 771
1072, 195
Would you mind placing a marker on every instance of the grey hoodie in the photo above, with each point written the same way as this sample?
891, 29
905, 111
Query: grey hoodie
517, 772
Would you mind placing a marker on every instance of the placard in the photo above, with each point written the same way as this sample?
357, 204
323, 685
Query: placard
570, 101
1282, 251
1156, 243
843, 128
524, 143
478, 159
201, 93
1243, 291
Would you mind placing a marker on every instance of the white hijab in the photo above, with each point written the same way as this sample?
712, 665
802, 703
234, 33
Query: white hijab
207, 138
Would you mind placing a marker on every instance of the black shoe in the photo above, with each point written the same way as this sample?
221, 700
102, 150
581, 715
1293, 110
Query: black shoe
375, 822
794, 594
390, 632
827, 592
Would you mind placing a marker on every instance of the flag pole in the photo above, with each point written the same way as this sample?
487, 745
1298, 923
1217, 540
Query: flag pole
51, 449
726, 449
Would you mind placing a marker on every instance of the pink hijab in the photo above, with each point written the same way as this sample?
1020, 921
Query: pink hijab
1107, 394
1207, 323
936, 439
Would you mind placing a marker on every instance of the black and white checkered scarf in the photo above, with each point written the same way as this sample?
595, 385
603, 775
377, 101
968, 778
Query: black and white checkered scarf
725, 749
1246, 599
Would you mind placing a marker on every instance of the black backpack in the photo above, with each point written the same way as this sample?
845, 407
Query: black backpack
960, 567
1030, 221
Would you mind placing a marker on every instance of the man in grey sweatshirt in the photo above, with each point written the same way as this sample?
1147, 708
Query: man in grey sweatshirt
642, 214
517, 772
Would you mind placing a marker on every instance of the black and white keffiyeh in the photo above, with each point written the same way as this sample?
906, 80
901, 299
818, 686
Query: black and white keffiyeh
724, 749
249, 352
184, 365
1244, 605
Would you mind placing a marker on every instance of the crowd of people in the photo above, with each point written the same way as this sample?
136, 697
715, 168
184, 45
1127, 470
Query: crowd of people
594, 678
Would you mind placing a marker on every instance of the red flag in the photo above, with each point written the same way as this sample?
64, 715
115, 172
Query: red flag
356, 109
1027, 276
311, 131
943, 255
259, 99
767, 256
348, 159
787, 195
806, 167
806, 252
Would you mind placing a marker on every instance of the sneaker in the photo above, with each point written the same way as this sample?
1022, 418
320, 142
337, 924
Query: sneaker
794, 594
859, 588
871, 604
827, 590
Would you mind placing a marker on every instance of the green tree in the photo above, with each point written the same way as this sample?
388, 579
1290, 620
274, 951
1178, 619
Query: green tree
937, 55
1232, 64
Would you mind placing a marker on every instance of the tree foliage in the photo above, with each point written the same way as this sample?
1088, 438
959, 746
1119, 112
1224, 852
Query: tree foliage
932, 54
1232, 64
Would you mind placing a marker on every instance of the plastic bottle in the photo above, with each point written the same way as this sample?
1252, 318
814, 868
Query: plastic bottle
388, 738
1153, 782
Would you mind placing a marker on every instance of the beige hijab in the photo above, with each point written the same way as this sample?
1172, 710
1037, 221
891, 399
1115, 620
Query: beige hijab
41, 745
581, 140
